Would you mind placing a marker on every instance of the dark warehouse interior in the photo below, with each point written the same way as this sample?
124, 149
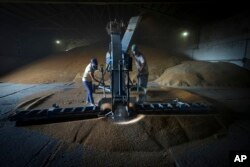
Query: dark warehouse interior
29, 28
193, 111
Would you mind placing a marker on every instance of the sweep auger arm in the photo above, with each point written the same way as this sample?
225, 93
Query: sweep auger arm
54, 115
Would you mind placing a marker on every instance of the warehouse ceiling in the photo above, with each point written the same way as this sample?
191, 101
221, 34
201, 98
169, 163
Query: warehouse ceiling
75, 15
31, 27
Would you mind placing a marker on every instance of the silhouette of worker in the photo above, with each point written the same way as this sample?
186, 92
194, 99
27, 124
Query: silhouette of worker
141, 65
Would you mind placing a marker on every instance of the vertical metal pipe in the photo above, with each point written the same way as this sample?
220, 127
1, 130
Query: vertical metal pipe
128, 93
120, 77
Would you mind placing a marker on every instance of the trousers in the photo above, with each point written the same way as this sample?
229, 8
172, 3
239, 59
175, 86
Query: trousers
143, 80
89, 91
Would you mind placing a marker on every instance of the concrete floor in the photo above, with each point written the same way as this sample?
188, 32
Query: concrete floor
11, 94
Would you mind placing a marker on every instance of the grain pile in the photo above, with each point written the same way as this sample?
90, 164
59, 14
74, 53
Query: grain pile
69, 66
148, 134
198, 73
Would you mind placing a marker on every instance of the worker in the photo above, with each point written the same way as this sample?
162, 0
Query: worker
108, 59
141, 65
88, 77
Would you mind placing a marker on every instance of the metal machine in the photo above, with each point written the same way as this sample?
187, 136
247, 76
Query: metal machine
119, 63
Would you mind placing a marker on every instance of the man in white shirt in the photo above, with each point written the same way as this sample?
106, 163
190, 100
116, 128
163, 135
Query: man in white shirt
141, 65
87, 78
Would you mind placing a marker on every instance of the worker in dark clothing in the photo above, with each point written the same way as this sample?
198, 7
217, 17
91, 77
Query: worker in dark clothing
141, 65
142, 72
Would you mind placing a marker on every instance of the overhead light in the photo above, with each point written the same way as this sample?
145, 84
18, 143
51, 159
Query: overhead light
185, 33
58, 42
